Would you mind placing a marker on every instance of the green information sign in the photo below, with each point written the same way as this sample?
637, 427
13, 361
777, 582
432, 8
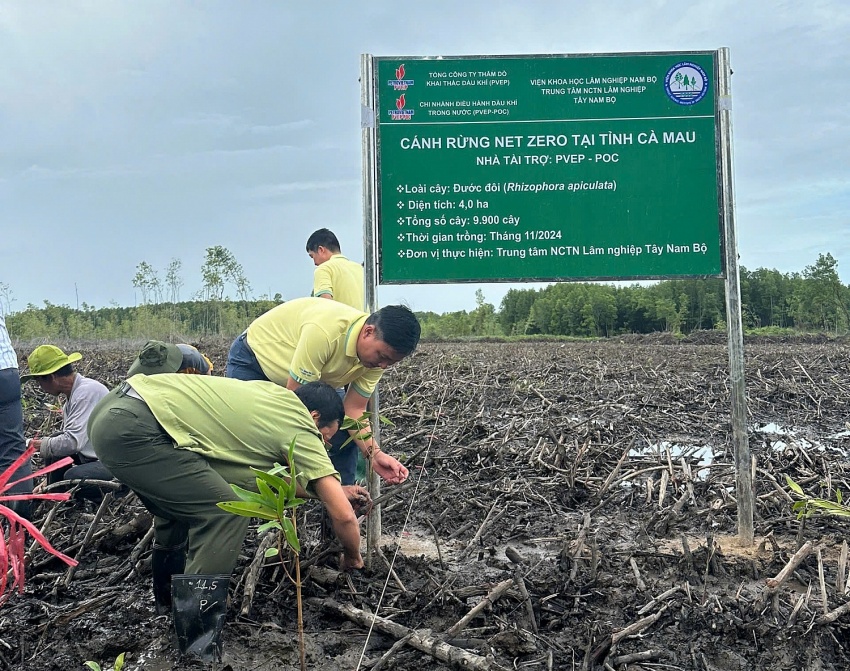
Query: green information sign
524, 168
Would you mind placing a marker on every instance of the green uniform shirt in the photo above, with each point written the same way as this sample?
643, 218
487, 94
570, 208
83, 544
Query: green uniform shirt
311, 339
236, 422
340, 279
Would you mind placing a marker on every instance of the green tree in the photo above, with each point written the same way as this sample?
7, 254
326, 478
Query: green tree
220, 267
601, 309
821, 301
174, 280
147, 282
483, 318
515, 310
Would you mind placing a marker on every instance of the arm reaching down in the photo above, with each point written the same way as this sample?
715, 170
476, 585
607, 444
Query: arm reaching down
343, 520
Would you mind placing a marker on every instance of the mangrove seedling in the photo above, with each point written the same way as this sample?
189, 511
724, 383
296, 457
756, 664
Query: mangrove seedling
810, 505
276, 501
119, 664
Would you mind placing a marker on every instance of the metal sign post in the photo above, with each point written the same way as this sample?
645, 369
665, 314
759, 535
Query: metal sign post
367, 126
740, 441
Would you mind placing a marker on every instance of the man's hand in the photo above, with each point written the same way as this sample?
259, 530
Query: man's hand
37, 444
359, 498
389, 468
347, 563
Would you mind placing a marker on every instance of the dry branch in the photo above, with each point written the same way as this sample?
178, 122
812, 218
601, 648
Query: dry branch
422, 641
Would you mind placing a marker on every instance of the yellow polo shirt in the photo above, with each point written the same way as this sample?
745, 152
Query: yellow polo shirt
311, 339
235, 423
340, 279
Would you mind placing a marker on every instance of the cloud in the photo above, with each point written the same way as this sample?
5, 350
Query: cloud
278, 190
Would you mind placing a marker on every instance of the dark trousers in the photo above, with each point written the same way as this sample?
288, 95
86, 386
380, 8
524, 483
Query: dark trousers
344, 459
82, 469
12, 444
179, 487
242, 364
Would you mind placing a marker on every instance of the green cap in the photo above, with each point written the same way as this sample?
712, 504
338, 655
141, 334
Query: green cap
47, 359
157, 357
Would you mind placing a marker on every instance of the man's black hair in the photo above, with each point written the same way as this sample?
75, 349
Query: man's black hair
322, 398
65, 371
323, 238
397, 326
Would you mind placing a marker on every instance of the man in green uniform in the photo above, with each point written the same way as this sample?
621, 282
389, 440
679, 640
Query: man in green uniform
309, 339
179, 441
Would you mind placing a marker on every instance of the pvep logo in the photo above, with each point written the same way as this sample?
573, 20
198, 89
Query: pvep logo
686, 83
400, 113
400, 83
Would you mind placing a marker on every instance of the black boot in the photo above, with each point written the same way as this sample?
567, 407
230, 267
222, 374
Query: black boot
165, 562
199, 605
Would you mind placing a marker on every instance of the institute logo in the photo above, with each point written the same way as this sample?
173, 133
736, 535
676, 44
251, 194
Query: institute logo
400, 83
400, 113
686, 83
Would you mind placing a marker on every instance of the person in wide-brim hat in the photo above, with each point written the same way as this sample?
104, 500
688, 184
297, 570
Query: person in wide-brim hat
53, 371
46, 360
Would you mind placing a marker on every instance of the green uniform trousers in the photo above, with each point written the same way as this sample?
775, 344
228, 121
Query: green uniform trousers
179, 487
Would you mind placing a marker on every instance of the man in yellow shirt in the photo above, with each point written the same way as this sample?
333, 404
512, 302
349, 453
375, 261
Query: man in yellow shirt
335, 277
338, 279
309, 339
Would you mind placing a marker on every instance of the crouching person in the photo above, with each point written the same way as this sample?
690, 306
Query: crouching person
54, 372
179, 441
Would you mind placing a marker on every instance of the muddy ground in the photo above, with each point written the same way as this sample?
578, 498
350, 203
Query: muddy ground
576, 499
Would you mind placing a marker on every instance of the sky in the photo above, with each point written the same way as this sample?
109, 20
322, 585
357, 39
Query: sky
149, 131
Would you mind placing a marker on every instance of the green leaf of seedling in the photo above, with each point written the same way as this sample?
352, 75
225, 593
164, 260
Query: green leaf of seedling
278, 469
119, 662
838, 496
831, 507
291, 535
246, 495
269, 497
265, 526
271, 552
288, 491
280, 503
348, 424
293, 475
294, 503
802, 509
385, 420
275, 481
246, 509
794, 486
94, 666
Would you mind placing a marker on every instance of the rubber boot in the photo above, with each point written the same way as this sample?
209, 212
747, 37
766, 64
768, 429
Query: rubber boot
199, 605
165, 562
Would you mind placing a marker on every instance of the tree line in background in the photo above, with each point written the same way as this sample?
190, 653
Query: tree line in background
814, 300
